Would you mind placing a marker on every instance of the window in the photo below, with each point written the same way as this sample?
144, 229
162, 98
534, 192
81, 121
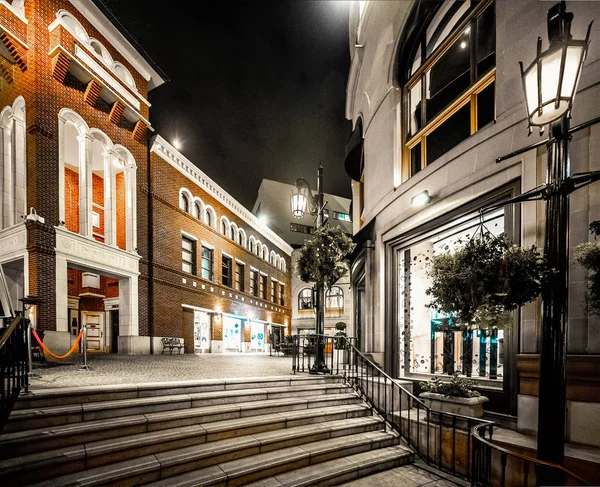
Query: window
224, 227
451, 81
239, 277
188, 255
273, 291
334, 298
344, 217
305, 299
226, 269
251, 246
210, 217
207, 263
263, 287
281, 294
299, 228
254, 283
232, 233
184, 202
197, 210
431, 342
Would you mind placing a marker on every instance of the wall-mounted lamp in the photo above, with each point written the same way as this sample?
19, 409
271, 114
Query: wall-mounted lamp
420, 199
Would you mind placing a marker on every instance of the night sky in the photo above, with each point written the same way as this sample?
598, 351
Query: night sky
257, 88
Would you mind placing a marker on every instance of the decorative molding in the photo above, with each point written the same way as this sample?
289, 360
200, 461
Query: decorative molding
171, 155
90, 253
60, 68
13, 240
116, 112
14, 51
139, 131
92, 92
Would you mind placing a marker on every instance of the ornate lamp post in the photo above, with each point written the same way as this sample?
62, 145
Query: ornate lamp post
304, 201
550, 84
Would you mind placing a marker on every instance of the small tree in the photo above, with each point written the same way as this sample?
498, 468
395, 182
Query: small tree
324, 258
340, 331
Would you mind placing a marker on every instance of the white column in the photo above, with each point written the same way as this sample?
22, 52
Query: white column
20, 180
128, 306
62, 294
85, 185
61, 170
7, 200
110, 207
131, 208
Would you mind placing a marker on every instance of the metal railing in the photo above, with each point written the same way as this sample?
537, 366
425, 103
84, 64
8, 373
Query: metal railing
453, 443
14, 369
495, 465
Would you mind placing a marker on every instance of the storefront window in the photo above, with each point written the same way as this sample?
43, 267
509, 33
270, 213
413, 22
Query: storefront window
432, 343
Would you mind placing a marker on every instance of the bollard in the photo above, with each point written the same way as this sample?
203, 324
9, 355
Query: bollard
85, 366
30, 357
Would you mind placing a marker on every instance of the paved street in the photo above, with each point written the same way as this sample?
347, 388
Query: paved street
406, 476
128, 369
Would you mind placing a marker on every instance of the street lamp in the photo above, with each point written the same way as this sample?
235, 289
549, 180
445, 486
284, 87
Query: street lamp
303, 201
550, 84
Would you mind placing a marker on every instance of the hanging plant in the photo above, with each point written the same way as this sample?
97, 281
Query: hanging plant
324, 257
481, 282
587, 254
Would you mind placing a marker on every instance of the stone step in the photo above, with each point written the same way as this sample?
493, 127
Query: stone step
335, 472
239, 460
80, 395
297, 466
167, 405
117, 431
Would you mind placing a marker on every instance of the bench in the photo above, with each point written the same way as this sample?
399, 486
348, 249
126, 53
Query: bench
171, 344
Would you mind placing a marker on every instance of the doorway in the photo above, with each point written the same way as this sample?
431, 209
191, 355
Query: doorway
94, 321
232, 334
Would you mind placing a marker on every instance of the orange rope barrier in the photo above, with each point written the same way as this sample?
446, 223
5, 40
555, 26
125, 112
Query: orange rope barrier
73, 348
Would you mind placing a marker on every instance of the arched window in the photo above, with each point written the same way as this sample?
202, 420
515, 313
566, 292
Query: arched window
233, 232
73, 25
242, 237
334, 298
251, 245
123, 73
197, 210
283, 265
224, 227
305, 299
265, 252
184, 202
449, 77
210, 217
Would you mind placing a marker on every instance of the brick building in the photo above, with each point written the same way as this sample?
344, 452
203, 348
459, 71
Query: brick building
80, 191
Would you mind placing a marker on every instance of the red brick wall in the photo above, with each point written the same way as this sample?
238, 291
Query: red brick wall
71, 200
121, 211
44, 98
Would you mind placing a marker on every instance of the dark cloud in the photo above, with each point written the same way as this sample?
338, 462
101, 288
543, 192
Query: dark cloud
257, 88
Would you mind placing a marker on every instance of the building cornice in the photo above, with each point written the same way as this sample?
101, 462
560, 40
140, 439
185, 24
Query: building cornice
171, 155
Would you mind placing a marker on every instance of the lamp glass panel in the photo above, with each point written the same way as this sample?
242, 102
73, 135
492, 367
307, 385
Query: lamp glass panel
551, 64
531, 89
298, 204
572, 62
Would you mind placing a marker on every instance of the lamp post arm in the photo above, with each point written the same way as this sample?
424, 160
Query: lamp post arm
313, 205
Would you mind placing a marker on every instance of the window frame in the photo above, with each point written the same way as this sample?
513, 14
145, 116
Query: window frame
273, 291
238, 276
339, 296
210, 260
226, 277
281, 294
262, 286
254, 276
305, 299
470, 95
192, 252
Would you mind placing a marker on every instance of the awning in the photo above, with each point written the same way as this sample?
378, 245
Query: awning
354, 153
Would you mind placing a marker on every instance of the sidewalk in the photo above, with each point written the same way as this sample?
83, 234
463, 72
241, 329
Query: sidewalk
130, 369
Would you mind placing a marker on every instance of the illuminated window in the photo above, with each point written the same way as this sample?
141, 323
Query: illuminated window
226, 271
450, 91
207, 263
344, 217
188, 255
254, 283
239, 277
305, 299
334, 298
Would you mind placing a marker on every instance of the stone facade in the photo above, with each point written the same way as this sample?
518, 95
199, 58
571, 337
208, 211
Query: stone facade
461, 180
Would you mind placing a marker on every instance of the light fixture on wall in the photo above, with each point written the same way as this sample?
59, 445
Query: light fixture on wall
420, 199
177, 144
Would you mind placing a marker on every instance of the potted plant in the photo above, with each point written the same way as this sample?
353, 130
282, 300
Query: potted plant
587, 254
455, 396
480, 283
340, 328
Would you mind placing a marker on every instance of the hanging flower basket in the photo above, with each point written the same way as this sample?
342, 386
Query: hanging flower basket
482, 282
588, 255
324, 257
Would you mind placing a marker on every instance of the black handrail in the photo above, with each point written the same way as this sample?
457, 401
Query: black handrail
450, 442
497, 465
14, 357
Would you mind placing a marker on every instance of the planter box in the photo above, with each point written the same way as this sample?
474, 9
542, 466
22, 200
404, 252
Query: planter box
465, 406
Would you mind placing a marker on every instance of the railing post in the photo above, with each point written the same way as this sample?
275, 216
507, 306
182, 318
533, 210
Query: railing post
28, 332
84, 345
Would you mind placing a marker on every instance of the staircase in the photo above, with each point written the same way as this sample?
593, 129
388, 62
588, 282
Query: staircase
298, 430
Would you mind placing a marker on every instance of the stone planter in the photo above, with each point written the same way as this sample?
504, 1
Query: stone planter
465, 406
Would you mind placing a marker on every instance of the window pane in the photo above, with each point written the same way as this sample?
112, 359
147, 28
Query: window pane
415, 159
206, 274
485, 106
432, 343
485, 54
452, 132
187, 267
450, 76
415, 109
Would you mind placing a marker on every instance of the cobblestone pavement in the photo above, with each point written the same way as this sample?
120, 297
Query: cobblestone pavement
131, 369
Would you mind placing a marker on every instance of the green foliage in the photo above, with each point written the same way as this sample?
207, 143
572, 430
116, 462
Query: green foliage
456, 387
588, 255
340, 327
324, 258
481, 282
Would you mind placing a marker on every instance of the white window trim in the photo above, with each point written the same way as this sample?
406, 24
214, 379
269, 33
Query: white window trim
240, 261
189, 235
206, 244
227, 255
